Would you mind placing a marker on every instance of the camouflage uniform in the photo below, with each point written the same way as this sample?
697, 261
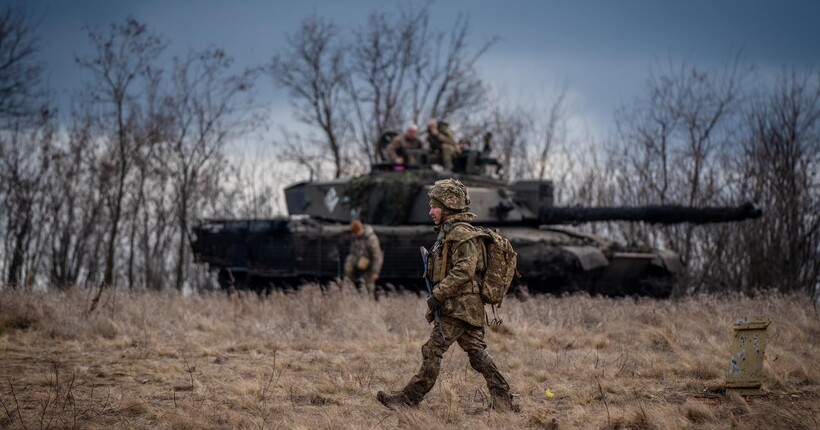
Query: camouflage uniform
444, 144
401, 146
366, 245
462, 311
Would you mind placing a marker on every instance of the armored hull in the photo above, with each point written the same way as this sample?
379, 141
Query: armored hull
312, 243
263, 254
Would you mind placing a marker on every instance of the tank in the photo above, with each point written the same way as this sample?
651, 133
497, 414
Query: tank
312, 242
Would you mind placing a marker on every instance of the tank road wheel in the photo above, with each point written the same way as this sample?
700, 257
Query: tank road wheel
659, 286
259, 284
225, 280
231, 281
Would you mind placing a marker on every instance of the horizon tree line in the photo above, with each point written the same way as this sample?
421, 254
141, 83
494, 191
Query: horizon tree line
105, 195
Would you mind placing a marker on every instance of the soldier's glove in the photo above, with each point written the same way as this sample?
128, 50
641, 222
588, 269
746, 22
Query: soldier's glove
433, 304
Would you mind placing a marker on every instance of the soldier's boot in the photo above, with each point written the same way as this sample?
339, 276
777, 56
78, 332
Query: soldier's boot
395, 399
503, 402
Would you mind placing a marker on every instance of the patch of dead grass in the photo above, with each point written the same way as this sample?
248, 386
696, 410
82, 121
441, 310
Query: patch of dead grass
698, 413
316, 357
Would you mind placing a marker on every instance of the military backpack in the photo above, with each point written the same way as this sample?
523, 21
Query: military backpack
500, 262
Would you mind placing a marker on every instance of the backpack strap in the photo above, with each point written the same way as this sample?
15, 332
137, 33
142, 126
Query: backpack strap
476, 233
481, 233
446, 249
444, 261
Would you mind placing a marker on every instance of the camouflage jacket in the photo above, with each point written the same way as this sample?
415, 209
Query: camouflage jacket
458, 288
399, 146
367, 245
444, 137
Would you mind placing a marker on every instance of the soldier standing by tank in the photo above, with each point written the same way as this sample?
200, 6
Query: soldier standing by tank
364, 262
399, 150
455, 266
442, 142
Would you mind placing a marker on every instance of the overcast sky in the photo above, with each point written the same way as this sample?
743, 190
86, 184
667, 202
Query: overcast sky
602, 50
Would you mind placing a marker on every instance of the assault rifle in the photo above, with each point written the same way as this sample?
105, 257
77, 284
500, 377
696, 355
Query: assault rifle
430, 292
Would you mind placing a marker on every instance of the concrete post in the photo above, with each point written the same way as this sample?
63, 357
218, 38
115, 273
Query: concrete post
748, 347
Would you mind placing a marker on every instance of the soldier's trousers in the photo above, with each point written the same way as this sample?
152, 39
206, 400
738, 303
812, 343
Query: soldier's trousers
444, 156
471, 339
447, 154
360, 277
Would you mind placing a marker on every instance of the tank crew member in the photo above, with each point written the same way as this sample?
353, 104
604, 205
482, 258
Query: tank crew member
442, 142
486, 158
399, 150
488, 147
364, 262
467, 160
381, 145
455, 266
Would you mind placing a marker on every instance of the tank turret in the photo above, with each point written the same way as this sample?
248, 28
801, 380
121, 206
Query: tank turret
313, 241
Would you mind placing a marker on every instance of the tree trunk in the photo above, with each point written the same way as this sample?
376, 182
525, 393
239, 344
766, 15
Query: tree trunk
16, 265
183, 235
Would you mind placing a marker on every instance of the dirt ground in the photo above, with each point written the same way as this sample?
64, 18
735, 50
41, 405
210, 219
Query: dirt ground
316, 359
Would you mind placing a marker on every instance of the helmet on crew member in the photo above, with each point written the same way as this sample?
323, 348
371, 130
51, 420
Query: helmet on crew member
450, 194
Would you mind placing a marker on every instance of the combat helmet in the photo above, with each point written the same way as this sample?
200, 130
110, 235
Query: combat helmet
451, 193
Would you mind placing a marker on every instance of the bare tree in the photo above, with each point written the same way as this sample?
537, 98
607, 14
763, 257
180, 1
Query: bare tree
396, 70
507, 128
312, 69
208, 108
121, 57
443, 74
593, 186
781, 168
113, 197
305, 152
380, 62
249, 188
403, 71
20, 70
25, 166
25, 147
530, 141
552, 132
670, 143
149, 210
75, 202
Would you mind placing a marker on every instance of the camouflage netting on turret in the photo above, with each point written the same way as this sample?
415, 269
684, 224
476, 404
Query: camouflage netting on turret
386, 198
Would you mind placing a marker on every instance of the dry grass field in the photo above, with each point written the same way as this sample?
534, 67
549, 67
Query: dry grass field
315, 359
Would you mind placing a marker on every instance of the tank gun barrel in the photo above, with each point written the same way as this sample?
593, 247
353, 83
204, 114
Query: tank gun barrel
656, 214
